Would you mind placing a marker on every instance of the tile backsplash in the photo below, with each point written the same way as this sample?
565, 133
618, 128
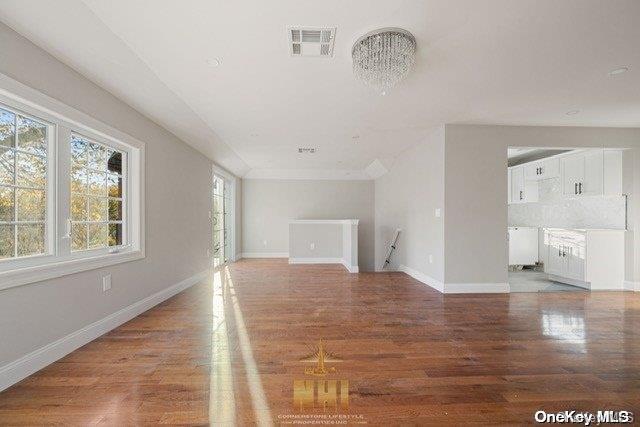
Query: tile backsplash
584, 212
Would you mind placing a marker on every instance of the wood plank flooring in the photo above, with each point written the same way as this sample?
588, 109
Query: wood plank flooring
227, 352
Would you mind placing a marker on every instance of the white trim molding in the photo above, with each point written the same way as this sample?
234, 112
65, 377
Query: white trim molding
456, 288
326, 221
24, 276
350, 268
421, 277
308, 174
19, 369
629, 285
477, 288
265, 255
316, 261
341, 261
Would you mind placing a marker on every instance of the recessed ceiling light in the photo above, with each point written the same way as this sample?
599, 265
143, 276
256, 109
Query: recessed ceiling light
213, 62
618, 71
572, 112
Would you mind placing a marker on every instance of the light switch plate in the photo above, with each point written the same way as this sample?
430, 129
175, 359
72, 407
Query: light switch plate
312, 246
438, 213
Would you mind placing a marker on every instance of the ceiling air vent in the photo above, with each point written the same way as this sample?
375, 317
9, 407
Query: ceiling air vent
311, 41
306, 150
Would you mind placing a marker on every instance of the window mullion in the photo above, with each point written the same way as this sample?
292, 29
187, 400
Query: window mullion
63, 236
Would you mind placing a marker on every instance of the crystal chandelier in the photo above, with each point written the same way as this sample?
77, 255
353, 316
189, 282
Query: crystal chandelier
383, 57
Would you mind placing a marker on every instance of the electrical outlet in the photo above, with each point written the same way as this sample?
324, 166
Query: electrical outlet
430, 259
312, 246
106, 283
438, 213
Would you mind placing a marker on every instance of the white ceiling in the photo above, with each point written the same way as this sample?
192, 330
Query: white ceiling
491, 61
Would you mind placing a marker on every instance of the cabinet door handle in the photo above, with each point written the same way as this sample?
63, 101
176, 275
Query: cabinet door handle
575, 191
559, 251
580, 188
520, 194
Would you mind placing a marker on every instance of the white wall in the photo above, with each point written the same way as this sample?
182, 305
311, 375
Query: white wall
178, 198
476, 200
406, 198
269, 205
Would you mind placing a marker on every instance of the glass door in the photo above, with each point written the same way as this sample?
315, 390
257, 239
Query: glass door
220, 220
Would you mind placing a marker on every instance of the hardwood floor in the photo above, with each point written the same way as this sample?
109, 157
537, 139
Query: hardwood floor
229, 351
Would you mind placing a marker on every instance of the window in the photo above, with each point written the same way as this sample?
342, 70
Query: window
97, 197
221, 219
24, 144
71, 190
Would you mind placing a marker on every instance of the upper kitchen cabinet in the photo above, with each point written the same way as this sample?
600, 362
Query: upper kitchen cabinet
522, 190
592, 172
542, 169
584, 172
509, 185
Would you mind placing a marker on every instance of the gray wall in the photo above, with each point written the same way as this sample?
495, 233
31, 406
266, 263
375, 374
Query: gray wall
269, 205
406, 198
327, 238
178, 198
476, 199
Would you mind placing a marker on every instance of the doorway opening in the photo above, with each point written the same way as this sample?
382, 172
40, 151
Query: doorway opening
566, 219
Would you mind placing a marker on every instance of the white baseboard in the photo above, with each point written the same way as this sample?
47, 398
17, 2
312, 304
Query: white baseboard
456, 288
21, 368
265, 255
238, 257
476, 288
631, 286
421, 277
350, 268
569, 281
315, 261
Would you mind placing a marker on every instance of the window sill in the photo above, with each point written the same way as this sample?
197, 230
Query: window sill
24, 276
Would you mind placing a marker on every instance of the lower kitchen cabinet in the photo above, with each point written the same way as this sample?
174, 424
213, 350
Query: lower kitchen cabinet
592, 259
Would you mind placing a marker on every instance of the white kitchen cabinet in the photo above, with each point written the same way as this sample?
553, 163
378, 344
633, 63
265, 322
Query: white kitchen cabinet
582, 173
592, 259
588, 172
542, 169
523, 246
532, 170
509, 185
567, 254
592, 183
612, 172
517, 185
522, 190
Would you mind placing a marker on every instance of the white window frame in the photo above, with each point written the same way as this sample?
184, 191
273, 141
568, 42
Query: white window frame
58, 259
231, 180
